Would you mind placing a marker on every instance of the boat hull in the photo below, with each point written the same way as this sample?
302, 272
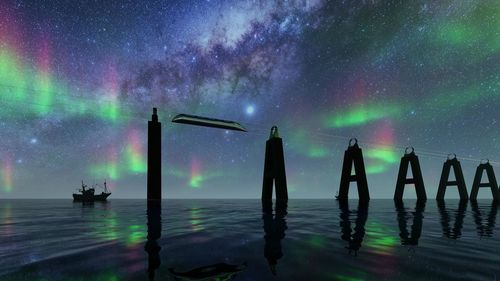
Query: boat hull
90, 198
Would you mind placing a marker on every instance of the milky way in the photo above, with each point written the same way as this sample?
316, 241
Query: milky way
78, 81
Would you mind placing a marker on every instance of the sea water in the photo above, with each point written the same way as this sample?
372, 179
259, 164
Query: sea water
308, 240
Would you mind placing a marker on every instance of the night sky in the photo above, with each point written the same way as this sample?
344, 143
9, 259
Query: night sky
78, 80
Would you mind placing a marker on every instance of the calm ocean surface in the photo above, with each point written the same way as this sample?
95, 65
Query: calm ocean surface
224, 239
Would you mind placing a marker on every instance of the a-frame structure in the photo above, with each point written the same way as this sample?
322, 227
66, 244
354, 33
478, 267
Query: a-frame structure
459, 182
492, 181
353, 156
410, 158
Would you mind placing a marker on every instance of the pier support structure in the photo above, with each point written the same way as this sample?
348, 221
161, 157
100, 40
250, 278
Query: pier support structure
492, 181
154, 157
459, 181
274, 169
410, 158
354, 156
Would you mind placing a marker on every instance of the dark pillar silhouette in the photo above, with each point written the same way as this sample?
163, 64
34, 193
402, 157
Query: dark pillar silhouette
353, 156
459, 179
417, 180
485, 227
410, 238
274, 228
492, 181
355, 238
274, 169
154, 233
154, 158
456, 231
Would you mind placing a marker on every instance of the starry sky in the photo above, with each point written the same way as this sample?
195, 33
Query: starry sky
78, 80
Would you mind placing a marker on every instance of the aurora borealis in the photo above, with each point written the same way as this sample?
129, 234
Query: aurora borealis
78, 81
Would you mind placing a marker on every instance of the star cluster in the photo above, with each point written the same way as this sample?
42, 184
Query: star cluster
78, 80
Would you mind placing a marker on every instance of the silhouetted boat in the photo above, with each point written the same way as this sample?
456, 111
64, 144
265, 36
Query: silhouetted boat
88, 194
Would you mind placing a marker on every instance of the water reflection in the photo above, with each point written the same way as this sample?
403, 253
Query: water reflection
47, 237
355, 238
274, 228
484, 226
459, 215
154, 233
86, 204
410, 238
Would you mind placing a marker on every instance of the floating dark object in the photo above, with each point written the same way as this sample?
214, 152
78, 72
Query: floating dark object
208, 122
218, 271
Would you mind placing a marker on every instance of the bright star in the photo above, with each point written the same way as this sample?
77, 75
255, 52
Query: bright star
250, 110
33, 140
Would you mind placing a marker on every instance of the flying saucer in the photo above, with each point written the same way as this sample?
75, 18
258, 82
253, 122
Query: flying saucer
208, 122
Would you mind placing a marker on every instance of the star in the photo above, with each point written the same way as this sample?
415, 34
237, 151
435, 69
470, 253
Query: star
250, 110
